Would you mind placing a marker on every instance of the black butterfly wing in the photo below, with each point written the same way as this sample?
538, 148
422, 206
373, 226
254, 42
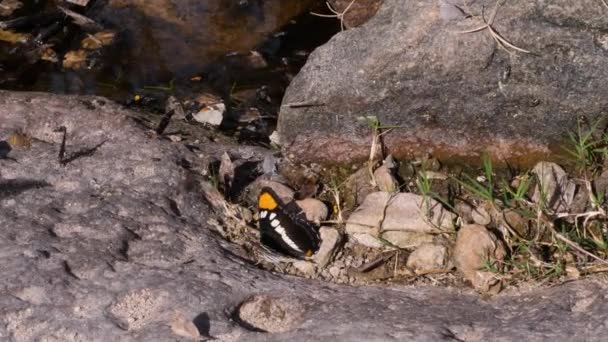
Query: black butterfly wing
288, 233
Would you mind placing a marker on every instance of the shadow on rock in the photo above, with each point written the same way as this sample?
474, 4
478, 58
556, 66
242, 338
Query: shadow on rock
13, 187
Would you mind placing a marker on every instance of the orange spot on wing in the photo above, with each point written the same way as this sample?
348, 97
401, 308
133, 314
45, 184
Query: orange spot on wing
266, 201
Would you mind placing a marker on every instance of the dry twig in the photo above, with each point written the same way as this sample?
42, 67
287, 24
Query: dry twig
336, 14
500, 41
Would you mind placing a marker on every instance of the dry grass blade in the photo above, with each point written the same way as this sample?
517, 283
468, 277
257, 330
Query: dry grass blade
500, 41
336, 14
577, 247
477, 29
375, 263
486, 24
12, 37
569, 242
604, 3
81, 20
498, 37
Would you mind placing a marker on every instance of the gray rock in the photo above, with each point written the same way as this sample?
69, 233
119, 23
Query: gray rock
212, 115
480, 215
430, 258
315, 210
181, 326
368, 240
382, 213
385, 180
357, 187
253, 190
477, 248
329, 242
454, 95
136, 309
122, 189
403, 239
306, 268
272, 314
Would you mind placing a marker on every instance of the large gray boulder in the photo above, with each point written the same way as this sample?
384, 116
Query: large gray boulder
452, 94
116, 245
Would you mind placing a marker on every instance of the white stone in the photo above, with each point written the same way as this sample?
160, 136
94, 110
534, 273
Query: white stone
212, 115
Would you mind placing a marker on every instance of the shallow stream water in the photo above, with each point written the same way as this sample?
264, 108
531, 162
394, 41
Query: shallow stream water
230, 49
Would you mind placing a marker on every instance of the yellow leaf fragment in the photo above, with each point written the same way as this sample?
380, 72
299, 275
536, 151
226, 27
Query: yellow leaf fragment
12, 37
98, 40
75, 59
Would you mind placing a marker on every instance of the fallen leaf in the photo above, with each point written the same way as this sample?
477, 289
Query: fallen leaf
49, 55
12, 37
75, 59
7, 7
555, 190
98, 40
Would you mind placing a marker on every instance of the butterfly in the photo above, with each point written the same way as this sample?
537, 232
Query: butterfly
283, 227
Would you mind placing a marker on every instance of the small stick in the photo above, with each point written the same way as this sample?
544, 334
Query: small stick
568, 241
63, 130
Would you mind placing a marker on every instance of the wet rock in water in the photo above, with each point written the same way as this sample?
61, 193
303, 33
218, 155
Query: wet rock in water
315, 210
555, 190
520, 105
170, 36
135, 187
476, 254
383, 214
272, 314
329, 243
430, 258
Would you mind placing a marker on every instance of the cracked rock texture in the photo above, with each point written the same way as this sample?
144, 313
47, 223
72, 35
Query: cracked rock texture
454, 95
115, 245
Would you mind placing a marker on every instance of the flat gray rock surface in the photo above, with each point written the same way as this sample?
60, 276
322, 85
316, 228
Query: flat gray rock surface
115, 243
